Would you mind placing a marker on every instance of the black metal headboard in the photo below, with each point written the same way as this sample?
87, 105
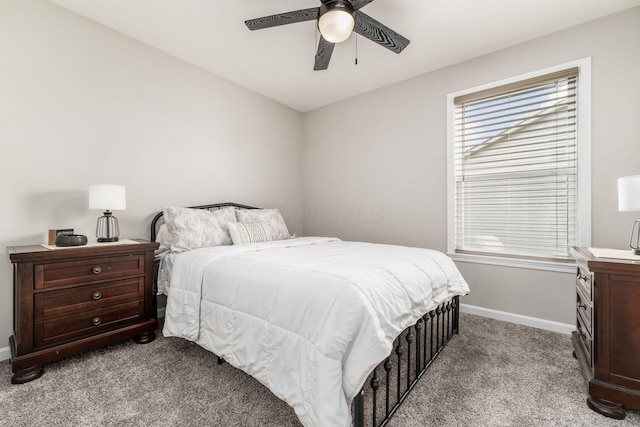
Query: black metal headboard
155, 226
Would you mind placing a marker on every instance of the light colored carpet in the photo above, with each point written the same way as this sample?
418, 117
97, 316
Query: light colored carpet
491, 374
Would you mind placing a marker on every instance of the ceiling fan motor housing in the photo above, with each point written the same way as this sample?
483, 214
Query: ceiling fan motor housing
344, 5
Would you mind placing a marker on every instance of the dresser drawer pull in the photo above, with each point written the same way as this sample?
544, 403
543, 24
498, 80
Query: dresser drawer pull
96, 269
582, 306
96, 295
582, 334
96, 321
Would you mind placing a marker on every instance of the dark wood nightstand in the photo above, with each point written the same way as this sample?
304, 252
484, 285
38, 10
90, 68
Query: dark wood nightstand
71, 300
607, 339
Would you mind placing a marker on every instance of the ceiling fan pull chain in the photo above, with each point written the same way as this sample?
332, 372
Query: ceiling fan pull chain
356, 37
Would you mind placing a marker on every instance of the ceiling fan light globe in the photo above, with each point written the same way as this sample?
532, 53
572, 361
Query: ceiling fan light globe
336, 25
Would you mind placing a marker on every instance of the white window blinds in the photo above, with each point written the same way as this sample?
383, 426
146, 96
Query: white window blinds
515, 155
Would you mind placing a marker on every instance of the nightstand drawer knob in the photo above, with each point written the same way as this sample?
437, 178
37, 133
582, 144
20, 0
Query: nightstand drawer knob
96, 321
96, 295
96, 269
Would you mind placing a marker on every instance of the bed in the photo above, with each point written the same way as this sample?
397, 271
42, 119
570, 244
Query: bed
330, 327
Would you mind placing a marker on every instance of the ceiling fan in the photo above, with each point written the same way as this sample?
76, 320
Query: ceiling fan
337, 19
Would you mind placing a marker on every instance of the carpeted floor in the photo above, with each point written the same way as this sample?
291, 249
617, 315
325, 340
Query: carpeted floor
492, 374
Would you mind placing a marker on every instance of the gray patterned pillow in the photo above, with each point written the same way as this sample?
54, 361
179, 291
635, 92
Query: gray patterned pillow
271, 217
249, 232
198, 228
164, 238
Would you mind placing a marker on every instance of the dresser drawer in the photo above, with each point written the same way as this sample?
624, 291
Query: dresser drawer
584, 281
86, 271
585, 340
66, 328
65, 302
585, 310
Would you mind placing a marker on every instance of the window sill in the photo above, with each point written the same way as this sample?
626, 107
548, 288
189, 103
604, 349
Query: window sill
560, 267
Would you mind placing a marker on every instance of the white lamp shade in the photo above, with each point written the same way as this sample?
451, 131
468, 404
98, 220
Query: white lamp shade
336, 25
629, 193
107, 197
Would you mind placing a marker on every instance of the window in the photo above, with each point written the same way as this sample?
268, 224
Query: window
515, 168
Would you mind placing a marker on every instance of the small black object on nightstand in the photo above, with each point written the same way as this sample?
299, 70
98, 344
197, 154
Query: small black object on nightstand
71, 240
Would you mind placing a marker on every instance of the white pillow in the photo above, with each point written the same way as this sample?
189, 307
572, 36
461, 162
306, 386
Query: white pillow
249, 232
271, 217
198, 228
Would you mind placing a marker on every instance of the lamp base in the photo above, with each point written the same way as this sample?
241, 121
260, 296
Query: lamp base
107, 229
107, 239
634, 241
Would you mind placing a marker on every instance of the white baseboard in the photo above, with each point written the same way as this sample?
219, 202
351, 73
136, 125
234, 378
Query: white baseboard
5, 353
549, 325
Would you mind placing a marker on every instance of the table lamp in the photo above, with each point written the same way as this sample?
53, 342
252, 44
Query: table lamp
629, 201
107, 198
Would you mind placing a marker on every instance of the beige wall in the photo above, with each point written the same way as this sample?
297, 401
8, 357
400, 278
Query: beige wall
81, 104
383, 154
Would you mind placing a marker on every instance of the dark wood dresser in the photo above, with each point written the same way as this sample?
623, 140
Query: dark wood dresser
607, 337
71, 300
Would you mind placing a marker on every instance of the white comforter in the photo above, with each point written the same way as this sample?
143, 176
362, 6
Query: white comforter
307, 317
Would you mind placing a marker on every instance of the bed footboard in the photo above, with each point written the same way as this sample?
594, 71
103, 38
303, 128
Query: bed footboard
414, 350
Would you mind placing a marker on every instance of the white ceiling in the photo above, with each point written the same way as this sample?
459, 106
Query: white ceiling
278, 62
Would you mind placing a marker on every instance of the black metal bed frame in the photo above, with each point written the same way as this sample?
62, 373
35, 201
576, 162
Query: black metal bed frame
414, 350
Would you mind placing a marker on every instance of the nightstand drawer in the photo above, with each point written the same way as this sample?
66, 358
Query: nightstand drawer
585, 340
53, 304
584, 280
585, 310
88, 323
86, 271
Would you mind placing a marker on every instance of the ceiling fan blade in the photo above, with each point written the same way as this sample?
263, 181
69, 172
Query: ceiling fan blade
283, 18
323, 55
368, 27
358, 4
